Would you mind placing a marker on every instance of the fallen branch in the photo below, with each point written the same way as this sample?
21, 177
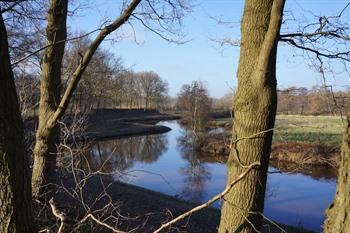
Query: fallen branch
212, 200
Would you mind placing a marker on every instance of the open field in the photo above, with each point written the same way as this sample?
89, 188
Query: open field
325, 130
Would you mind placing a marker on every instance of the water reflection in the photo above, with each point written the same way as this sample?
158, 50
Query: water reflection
169, 163
121, 154
196, 173
317, 173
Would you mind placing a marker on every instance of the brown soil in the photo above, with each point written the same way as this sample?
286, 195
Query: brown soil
320, 172
306, 154
217, 145
302, 154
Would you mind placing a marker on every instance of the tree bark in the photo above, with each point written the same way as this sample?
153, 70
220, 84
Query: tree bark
16, 213
338, 213
47, 135
254, 106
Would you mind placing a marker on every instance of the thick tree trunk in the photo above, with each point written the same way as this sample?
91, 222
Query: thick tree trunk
338, 214
15, 191
255, 109
47, 136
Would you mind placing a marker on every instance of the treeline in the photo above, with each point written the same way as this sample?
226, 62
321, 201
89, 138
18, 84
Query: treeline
318, 100
106, 83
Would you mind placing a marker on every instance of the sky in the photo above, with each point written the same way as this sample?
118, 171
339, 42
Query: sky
201, 58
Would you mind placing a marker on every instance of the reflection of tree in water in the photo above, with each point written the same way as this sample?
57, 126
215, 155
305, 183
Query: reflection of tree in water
119, 155
195, 172
152, 146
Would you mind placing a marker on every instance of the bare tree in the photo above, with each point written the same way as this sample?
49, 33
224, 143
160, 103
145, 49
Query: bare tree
152, 88
321, 42
159, 17
194, 100
47, 135
24, 21
28, 93
97, 86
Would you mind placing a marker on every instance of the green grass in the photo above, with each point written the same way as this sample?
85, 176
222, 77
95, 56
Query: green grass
325, 130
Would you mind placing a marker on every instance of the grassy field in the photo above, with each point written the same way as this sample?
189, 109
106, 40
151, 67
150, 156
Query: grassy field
324, 130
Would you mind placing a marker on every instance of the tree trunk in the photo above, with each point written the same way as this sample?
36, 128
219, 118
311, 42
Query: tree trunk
255, 106
338, 213
15, 194
52, 107
47, 135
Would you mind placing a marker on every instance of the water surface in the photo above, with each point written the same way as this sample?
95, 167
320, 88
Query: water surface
166, 163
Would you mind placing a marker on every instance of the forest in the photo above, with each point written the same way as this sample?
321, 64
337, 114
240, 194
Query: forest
115, 116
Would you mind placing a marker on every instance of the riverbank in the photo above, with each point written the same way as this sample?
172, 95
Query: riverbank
113, 123
143, 210
308, 141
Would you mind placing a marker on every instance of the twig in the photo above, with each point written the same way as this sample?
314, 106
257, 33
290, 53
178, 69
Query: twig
52, 44
100, 223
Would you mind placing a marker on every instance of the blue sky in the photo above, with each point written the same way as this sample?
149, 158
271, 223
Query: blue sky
202, 58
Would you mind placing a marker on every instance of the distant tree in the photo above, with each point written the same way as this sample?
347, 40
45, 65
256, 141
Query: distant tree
224, 103
96, 88
316, 101
196, 104
152, 88
28, 91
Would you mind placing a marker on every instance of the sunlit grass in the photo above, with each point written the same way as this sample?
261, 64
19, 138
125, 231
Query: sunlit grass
309, 129
325, 130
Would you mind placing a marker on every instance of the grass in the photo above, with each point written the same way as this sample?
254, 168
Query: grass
324, 130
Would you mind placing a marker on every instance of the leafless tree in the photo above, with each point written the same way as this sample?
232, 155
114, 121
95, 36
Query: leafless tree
161, 17
152, 88
194, 100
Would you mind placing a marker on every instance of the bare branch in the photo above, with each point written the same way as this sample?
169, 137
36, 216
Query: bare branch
73, 82
52, 44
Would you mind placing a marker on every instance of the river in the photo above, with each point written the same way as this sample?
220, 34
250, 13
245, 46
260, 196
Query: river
164, 163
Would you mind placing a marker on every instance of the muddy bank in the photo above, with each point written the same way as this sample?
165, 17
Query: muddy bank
317, 173
304, 155
115, 123
143, 210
